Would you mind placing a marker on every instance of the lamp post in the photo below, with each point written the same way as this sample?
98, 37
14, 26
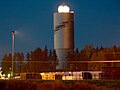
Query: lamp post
12, 70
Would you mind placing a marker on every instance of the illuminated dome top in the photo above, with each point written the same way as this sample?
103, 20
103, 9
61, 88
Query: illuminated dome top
63, 8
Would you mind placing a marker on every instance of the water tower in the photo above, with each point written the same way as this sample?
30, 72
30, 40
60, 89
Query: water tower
63, 34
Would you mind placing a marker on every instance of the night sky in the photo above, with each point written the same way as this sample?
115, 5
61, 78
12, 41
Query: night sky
97, 22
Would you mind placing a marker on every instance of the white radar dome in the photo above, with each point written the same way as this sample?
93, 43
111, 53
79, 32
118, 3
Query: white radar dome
63, 9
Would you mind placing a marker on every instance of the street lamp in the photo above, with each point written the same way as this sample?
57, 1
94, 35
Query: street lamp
13, 36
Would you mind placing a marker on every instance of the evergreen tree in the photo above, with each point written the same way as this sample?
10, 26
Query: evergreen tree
37, 60
50, 59
28, 59
6, 64
55, 60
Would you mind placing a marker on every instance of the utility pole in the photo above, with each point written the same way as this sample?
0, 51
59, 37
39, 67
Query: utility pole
12, 69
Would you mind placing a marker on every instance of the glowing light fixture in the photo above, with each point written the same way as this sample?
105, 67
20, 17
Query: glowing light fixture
63, 9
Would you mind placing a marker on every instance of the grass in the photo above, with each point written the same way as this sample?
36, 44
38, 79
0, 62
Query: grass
59, 85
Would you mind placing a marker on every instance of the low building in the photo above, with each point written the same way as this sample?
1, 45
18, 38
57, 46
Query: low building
111, 73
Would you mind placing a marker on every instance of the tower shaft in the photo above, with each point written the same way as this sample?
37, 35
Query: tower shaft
63, 36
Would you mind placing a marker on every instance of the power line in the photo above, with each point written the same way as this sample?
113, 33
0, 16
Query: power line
73, 61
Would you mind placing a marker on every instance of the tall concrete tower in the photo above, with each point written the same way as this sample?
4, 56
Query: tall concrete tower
63, 34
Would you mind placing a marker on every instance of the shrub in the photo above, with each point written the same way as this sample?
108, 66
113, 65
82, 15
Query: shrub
58, 86
2, 85
44, 86
101, 88
82, 86
87, 86
18, 85
51, 86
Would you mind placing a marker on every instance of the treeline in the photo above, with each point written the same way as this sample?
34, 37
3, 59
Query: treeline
34, 61
40, 60
91, 58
